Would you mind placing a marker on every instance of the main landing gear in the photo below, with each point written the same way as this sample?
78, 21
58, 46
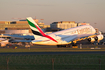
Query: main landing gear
63, 45
73, 44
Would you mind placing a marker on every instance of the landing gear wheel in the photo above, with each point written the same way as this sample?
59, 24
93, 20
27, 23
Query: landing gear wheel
68, 45
73, 44
58, 46
61, 46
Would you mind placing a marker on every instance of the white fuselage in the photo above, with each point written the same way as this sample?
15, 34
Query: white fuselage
66, 36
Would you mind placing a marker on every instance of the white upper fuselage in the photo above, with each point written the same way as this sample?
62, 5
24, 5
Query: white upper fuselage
66, 36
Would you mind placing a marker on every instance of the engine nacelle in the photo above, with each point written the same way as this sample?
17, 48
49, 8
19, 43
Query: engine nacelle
98, 37
91, 39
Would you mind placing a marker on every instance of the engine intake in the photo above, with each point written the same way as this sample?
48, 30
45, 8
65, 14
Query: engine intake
98, 37
91, 39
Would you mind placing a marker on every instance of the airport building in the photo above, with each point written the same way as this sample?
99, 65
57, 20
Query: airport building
79, 24
16, 26
65, 25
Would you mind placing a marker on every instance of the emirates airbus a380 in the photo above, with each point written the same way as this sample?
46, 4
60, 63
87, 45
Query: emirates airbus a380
64, 37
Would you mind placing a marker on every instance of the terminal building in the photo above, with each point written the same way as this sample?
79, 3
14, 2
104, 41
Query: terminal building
65, 25
20, 26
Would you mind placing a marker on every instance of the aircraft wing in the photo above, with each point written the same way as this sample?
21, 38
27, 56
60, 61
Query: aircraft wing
70, 38
20, 40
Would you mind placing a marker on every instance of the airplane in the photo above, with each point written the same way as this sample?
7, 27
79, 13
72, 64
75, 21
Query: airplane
20, 38
65, 37
3, 42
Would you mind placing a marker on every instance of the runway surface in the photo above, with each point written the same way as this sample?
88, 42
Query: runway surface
52, 53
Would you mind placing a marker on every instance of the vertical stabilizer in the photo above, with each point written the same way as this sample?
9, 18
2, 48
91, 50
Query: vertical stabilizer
35, 28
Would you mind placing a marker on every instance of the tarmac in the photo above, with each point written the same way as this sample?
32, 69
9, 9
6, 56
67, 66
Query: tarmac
52, 53
53, 50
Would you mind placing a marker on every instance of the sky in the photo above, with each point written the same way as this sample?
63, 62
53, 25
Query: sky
90, 11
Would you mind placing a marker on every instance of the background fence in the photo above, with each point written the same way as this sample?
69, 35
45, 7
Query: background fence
53, 62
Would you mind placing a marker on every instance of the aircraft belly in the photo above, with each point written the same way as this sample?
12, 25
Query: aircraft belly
59, 42
45, 43
41, 43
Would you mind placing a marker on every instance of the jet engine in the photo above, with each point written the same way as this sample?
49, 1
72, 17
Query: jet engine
91, 39
98, 37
